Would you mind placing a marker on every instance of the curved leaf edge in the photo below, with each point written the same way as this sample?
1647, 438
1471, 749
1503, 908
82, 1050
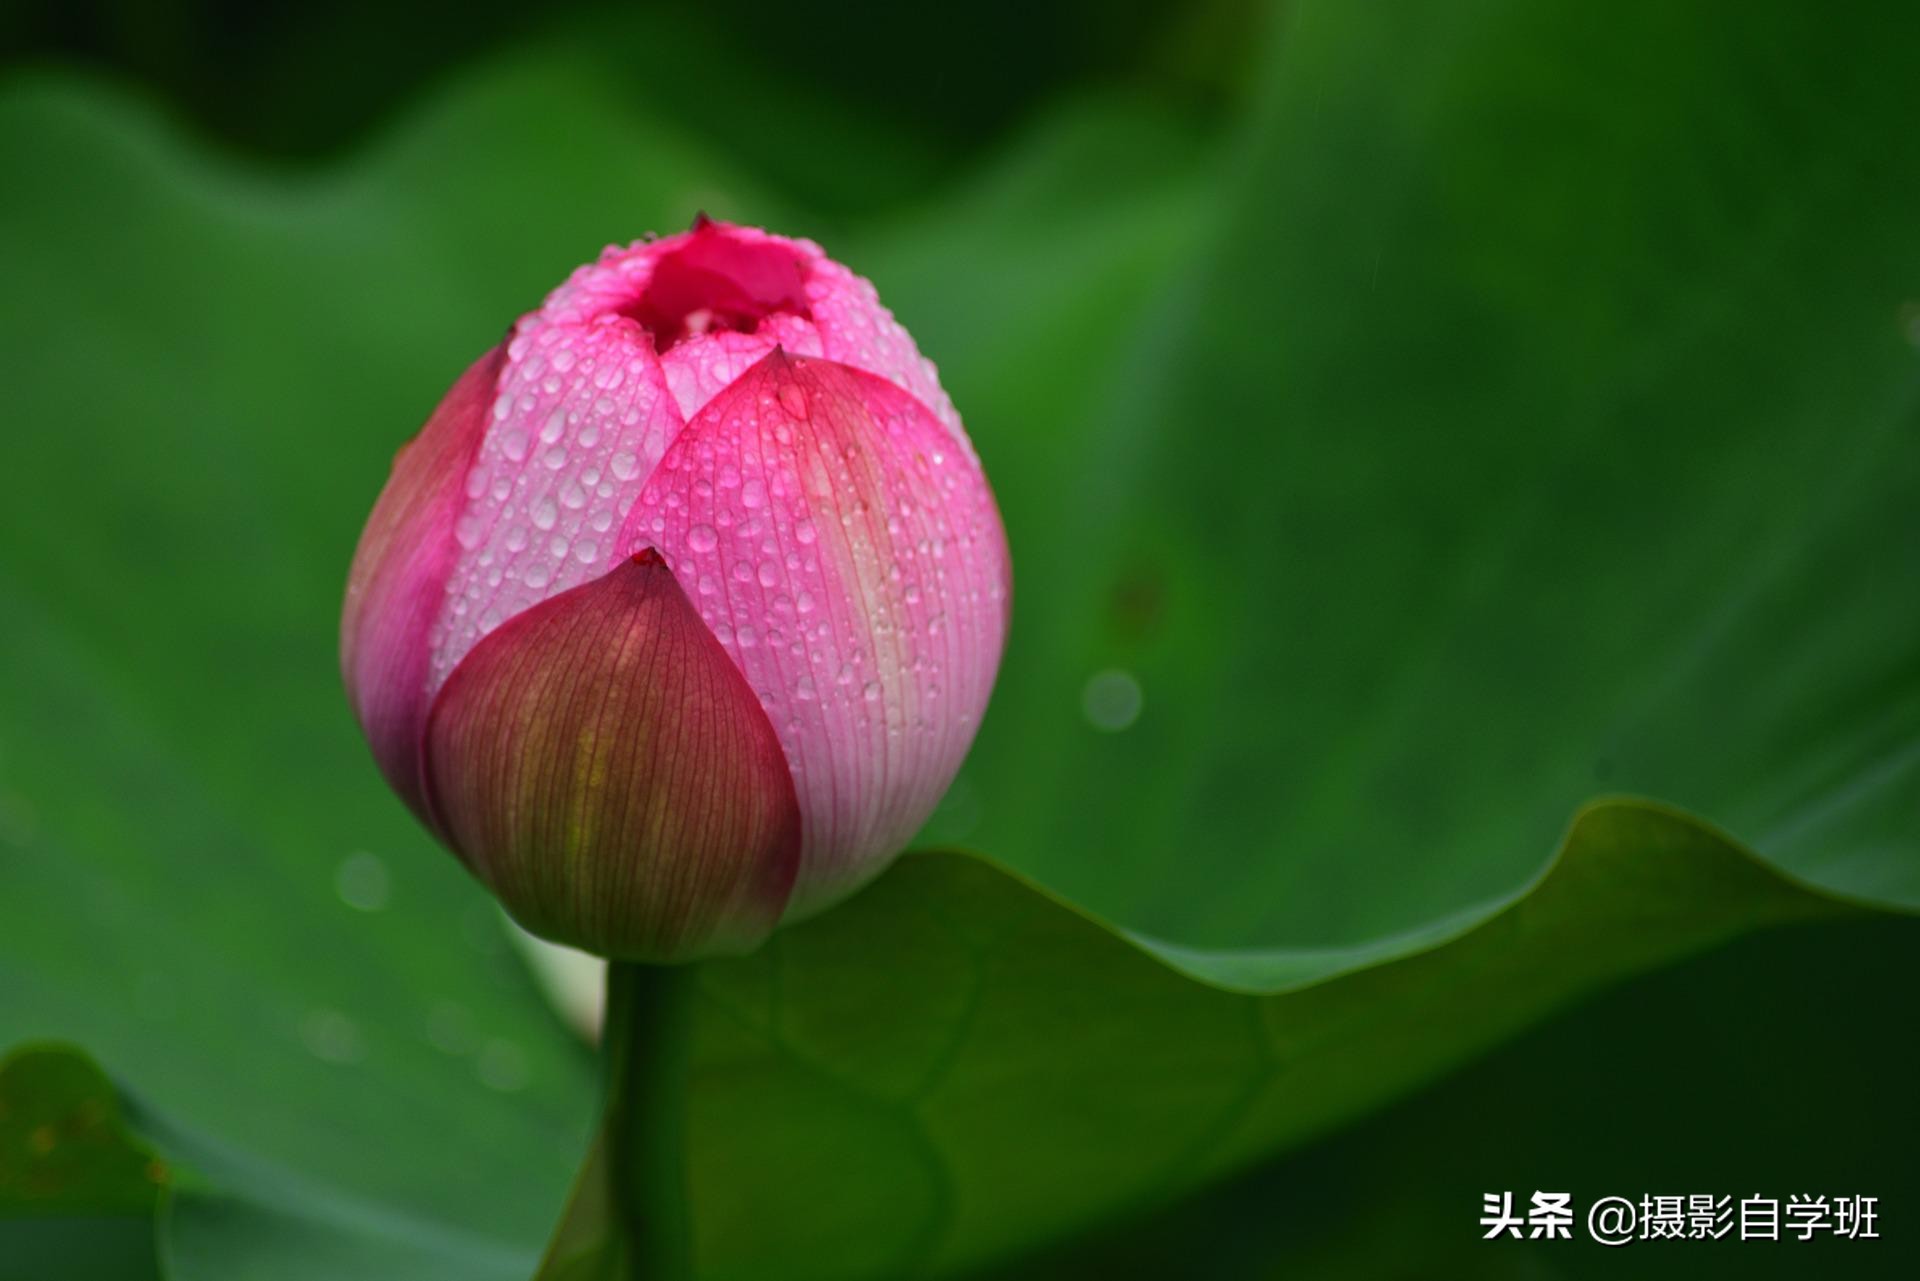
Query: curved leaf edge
1273, 971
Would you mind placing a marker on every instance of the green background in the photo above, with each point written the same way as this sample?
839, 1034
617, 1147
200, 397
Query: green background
1443, 413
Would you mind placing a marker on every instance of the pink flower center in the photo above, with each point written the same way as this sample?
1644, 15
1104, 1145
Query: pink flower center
716, 282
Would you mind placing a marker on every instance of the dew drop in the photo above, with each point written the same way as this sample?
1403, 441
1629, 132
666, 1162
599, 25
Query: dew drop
362, 882
450, 1028
332, 1037
1111, 700
502, 1065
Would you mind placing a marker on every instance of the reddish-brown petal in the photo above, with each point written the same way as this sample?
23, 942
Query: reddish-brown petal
603, 766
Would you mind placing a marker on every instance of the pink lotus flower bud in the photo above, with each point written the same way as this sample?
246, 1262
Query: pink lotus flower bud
678, 616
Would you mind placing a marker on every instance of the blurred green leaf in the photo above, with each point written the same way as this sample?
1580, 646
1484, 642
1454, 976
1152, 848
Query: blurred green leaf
63, 1145
1539, 421
78, 1189
1780, 1064
83, 1193
954, 1066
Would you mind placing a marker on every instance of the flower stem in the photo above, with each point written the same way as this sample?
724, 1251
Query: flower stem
644, 1127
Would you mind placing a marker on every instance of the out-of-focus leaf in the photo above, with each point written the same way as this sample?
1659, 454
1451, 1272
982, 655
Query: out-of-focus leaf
1781, 1065
64, 1148
77, 1188
87, 1190
1539, 422
857, 1086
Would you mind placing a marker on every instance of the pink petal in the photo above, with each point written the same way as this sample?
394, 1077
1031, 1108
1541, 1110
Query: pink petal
856, 330
600, 763
700, 367
850, 558
397, 586
581, 417
585, 409
744, 278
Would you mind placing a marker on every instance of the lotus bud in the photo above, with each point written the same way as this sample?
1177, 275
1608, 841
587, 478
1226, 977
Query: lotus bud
677, 618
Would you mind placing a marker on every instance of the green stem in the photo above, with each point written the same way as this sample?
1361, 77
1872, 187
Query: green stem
644, 1126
